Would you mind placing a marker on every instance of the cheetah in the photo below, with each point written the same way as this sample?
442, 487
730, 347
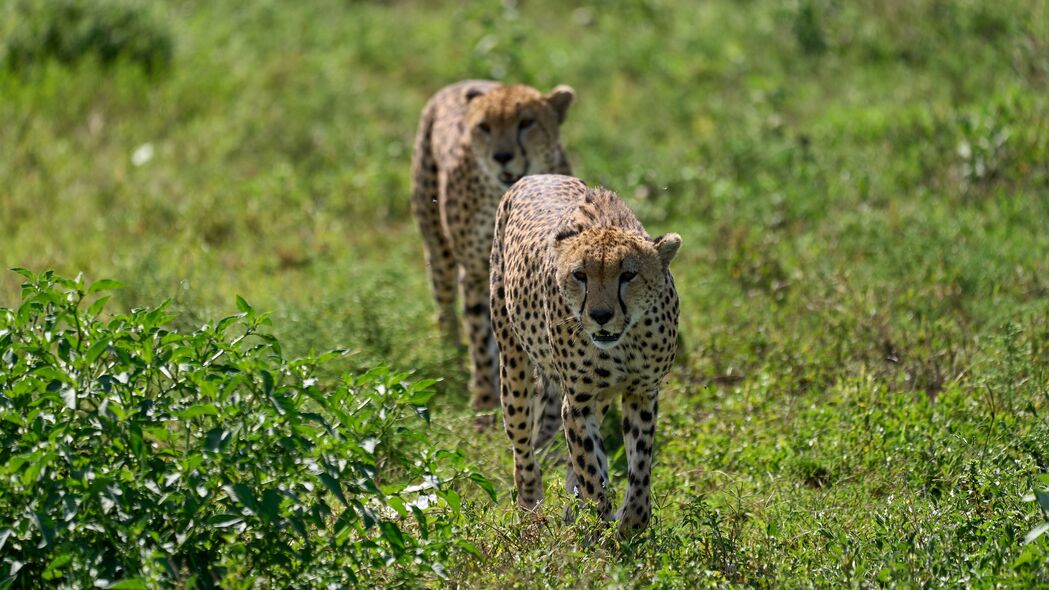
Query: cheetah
584, 309
475, 139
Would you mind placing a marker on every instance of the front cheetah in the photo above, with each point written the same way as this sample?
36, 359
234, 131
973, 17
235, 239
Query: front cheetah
475, 139
584, 309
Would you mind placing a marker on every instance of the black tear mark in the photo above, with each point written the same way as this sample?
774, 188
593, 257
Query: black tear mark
586, 293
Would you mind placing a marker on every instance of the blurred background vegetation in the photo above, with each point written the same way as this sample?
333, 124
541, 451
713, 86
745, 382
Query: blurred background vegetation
861, 188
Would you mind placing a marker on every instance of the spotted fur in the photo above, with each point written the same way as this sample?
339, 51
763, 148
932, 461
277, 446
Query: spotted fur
475, 139
584, 310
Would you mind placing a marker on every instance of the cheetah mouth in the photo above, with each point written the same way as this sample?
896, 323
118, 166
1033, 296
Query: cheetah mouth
605, 337
508, 179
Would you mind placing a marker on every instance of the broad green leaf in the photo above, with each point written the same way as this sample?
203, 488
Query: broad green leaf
104, 285
420, 398
1036, 532
60, 561
46, 527
468, 547
50, 372
331, 354
398, 505
221, 521
243, 306
243, 494
269, 508
95, 350
198, 410
159, 433
14, 418
95, 308
392, 535
452, 498
333, 487
424, 384
484, 484
35, 467
224, 323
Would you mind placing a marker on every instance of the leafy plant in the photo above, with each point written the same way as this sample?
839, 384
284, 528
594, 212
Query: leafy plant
134, 455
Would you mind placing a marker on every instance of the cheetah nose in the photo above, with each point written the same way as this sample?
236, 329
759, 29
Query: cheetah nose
503, 157
601, 316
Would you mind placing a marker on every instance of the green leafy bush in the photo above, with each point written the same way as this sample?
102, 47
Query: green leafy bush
133, 455
70, 30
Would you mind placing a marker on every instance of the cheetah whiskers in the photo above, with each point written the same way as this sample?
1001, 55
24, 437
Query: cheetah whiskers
576, 329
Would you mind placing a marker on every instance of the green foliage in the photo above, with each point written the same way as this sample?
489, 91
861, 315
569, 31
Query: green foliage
137, 455
67, 31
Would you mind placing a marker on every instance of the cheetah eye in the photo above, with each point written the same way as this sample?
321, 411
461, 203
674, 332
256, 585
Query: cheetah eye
627, 276
579, 276
484, 127
525, 124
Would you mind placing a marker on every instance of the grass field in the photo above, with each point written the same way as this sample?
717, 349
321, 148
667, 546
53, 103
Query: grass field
862, 190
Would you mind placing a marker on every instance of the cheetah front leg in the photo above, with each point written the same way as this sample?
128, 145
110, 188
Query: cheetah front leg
572, 481
477, 322
517, 390
441, 267
546, 407
586, 453
440, 263
639, 428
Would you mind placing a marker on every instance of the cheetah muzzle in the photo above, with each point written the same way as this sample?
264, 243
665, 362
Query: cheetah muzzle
508, 178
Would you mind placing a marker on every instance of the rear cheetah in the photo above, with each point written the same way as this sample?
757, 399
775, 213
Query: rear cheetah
475, 139
584, 309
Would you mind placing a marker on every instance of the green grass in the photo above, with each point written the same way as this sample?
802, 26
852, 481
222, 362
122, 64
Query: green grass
861, 189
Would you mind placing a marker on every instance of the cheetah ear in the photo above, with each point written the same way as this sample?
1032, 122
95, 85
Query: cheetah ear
472, 93
666, 247
560, 98
564, 234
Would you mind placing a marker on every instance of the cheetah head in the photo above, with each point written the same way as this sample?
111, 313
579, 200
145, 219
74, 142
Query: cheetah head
513, 130
609, 277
